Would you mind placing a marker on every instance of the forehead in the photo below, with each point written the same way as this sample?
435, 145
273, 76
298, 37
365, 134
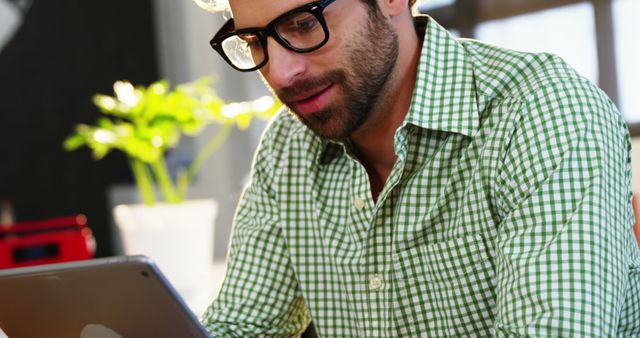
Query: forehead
258, 13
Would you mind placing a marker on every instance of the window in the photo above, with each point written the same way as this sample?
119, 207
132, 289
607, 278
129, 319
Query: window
627, 31
426, 5
567, 31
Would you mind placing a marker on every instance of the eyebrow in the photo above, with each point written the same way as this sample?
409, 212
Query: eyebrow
322, 3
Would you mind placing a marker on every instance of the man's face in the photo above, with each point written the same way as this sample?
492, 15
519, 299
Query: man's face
335, 89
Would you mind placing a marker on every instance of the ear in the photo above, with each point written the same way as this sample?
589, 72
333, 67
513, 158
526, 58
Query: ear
394, 7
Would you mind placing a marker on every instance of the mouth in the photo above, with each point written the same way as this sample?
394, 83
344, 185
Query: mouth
313, 102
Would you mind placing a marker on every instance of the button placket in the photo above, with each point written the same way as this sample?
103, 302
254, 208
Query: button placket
375, 282
359, 203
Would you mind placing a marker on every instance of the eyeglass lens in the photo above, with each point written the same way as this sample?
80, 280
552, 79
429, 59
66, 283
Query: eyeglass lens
302, 31
244, 51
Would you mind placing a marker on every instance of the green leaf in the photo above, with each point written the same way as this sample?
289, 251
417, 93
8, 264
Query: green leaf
74, 142
100, 151
243, 120
144, 122
107, 104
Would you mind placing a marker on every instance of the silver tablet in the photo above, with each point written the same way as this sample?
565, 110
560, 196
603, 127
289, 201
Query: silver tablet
101, 298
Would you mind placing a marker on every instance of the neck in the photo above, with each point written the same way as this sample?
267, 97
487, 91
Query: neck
375, 139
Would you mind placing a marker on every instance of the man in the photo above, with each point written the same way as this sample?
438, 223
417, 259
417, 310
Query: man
422, 186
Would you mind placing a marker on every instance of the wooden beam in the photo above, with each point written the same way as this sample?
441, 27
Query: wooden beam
607, 71
499, 9
466, 17
445, 16
487, 10
634, 129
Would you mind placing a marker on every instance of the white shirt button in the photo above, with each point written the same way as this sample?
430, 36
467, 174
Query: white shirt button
375, 282
359, 203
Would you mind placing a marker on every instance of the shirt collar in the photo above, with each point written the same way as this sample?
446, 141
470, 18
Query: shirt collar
444, 96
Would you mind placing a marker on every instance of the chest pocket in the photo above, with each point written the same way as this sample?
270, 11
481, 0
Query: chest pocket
447, 289
455, 261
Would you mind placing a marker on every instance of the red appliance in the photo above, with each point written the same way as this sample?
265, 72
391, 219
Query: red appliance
47, 241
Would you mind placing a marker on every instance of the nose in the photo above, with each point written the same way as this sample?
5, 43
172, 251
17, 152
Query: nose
284, 66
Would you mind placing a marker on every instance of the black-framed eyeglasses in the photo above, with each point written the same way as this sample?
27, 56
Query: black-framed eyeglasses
302, 30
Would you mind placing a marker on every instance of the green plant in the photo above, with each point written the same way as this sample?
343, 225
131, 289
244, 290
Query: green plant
145, 122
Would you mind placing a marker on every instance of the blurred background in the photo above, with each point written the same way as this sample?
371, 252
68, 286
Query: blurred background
54, 55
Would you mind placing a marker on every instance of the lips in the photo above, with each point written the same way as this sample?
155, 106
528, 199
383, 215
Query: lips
313, 102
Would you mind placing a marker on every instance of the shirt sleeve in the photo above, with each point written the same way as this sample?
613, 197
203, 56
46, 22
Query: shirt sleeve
259, 296
565, 241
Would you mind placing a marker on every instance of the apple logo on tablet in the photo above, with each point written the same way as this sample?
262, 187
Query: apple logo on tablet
98, 331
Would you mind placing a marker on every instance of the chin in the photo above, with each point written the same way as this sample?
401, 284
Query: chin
324, 127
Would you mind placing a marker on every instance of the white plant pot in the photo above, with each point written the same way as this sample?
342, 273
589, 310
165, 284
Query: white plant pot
179, 238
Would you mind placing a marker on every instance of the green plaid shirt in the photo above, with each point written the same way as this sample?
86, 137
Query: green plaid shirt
507, 213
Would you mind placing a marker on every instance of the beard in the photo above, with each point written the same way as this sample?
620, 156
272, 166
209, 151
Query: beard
359, 84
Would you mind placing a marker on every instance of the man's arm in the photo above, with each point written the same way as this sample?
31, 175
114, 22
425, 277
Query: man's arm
565, 241
260, 296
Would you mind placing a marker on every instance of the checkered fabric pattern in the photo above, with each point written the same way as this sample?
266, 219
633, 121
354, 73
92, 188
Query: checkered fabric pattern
506, 214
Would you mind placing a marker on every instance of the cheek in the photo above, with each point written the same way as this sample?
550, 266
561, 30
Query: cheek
264, 76
331, 56
341, 44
